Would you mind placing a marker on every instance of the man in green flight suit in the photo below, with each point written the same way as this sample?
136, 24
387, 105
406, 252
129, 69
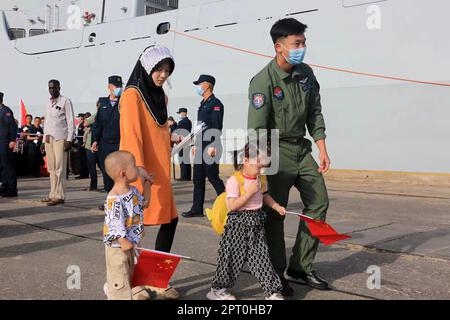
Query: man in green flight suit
285, 96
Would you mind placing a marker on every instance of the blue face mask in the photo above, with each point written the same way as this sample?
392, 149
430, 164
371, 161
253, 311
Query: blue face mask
296, 56
118, 92
200, 91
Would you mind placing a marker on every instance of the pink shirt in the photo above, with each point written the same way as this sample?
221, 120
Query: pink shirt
233, 191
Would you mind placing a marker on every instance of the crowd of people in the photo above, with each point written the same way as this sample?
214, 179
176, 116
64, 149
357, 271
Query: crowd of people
30, 154
29, 150
131, 136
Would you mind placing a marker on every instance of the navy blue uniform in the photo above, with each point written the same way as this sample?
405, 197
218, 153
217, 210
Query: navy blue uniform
34, 157
8, 133
106, 132
211, 113
83, 171
185, 167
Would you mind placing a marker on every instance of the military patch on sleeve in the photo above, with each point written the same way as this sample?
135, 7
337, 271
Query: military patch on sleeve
278, 93
258, 100
305, 84
216, 108
8, 114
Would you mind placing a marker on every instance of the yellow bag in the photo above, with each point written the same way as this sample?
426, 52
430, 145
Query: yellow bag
218, 214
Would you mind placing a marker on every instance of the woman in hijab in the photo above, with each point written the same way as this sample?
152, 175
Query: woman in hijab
145, 133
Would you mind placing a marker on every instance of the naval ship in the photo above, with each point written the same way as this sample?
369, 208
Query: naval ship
383, 65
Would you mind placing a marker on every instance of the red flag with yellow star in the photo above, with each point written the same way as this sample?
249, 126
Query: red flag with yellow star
321, 230
324, 232
154, 269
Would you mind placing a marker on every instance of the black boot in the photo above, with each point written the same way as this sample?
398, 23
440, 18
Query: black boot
9, 194
310, 278
191, 214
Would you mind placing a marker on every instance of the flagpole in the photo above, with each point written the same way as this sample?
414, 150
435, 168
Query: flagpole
165, 253
299, 214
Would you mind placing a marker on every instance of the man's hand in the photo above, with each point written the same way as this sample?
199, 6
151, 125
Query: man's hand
211, 152
324, 162
94, 147
193, 150
12, 145
125, 245
67, 145
323, 156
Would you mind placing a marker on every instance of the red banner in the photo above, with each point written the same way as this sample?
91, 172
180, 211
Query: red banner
323, 231
23, 114
154, 269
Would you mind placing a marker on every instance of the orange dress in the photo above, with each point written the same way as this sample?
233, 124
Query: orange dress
150, 144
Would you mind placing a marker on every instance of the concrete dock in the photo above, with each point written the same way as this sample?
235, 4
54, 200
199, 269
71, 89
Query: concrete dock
399, 227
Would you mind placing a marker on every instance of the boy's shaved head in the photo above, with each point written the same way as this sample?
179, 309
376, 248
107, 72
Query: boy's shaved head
117, 161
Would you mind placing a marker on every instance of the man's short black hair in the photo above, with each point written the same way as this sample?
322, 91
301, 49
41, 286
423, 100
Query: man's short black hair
29, 116
287, 27
56, 82
35, 118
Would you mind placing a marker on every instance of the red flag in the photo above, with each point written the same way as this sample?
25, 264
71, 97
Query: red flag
44, 172
154, 269
23, 113
323, 231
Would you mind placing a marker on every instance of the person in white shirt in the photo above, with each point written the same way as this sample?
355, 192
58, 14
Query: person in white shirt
58, 134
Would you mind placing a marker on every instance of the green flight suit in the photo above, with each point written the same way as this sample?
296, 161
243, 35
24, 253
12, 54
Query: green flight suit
290, 102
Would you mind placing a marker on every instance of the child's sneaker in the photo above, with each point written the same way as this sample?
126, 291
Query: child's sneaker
220, 294
275, 296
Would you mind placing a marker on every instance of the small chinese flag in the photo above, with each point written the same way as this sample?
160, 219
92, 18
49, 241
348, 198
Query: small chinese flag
154, 269
323, 231
23, 114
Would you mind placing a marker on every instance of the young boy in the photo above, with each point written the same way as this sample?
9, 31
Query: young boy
124, 223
